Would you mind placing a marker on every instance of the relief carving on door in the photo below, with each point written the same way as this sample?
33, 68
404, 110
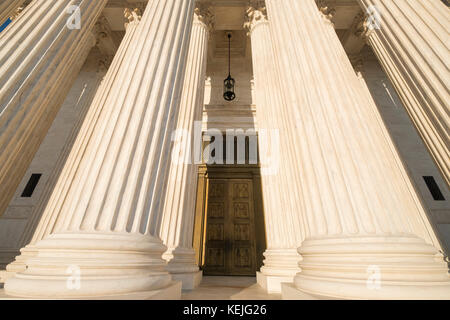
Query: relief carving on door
230, 233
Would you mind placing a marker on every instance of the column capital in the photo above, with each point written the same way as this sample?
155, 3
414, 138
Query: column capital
101, 29
256, 14
362, 25
354, 39
204, 15
105, 40
133, 15
327, 9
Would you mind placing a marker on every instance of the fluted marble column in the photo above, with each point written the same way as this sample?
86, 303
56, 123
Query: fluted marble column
7, 8
179, 207
410, 39
39, 60
282, 206
41, 224
423, 227
51, 209
365, 237
107, 217
402, 174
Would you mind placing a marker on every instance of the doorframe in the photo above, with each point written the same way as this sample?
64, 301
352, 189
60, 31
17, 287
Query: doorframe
207, 172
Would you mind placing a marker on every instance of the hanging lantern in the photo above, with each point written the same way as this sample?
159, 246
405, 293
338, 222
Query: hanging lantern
228, 84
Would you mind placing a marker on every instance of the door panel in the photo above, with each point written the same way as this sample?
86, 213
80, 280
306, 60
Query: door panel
216, 224
230, 235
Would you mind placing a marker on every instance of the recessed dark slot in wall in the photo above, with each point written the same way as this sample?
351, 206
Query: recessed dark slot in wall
31, 185
434, 188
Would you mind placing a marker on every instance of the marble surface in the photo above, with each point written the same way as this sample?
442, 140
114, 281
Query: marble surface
171, 292
229, 288
216, 288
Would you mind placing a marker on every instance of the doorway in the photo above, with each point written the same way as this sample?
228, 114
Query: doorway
229, 235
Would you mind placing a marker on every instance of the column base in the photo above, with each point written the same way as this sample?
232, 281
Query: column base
190, 280
90, 265
272, 284
383, 267
182, 266
290, 292
171, 292
280, 265
19, 263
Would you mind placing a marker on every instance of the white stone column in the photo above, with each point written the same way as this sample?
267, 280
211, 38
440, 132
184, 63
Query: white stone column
179, 207
410, 39
39, 60
7, 9
402, 174
402, 180
40, 224
282, 207
109, 210
365, 237
51, 209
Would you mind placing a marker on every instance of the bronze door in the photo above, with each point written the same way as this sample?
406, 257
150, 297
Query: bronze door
230, 233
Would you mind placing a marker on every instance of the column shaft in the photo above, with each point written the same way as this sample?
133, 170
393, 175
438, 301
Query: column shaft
39, 60
410, 39
358, 216
51, 208
282, 206
107, 218
179, 207
402, 174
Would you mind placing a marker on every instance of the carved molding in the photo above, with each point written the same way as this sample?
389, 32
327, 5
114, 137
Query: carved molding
204, 14
361, 25
133, 15
105, 40
328, 9
101, 28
